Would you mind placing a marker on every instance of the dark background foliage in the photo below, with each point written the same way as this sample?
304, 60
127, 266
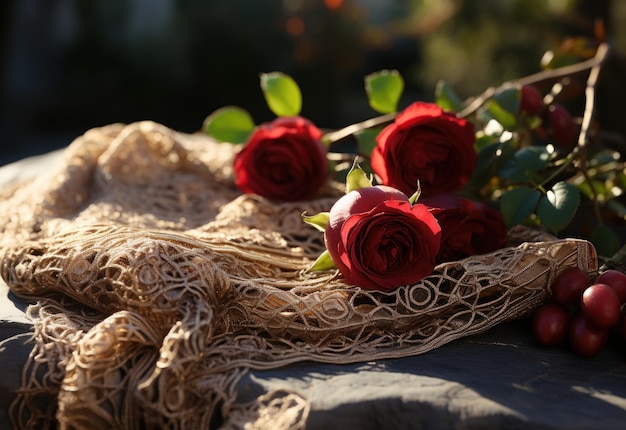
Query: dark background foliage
69, 65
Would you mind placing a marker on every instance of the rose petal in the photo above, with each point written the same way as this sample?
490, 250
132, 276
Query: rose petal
282, 160
427, 144
468, 227
393, 244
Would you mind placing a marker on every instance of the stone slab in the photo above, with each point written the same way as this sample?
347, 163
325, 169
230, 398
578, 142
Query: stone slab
499, 379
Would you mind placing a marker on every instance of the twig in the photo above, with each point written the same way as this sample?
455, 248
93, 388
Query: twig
342, 133
590, 93
593, 64
546, 75
588, 114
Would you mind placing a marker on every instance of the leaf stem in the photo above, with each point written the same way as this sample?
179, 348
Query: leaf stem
566, 162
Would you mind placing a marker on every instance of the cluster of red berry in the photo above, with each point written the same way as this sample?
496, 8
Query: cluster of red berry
586, 313
558, 124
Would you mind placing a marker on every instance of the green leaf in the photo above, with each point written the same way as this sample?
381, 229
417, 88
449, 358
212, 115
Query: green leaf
534, 158
518, 203
603, 157
357, 179
593, 189
617, 207
605, 240
512, 171
384, 90
366, 141
491, 157
508, 99
498, 154
533, 122
485, 140
503, 108
323, 262
446, 98
493, 128
621, 179
557, 208
492, 110
281, 93
229, 124
319, 221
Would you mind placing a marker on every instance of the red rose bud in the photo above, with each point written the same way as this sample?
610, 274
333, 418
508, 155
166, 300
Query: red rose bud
562, 125
467, 227
379, 241
283, 160
531, 100
427, 144
616, 280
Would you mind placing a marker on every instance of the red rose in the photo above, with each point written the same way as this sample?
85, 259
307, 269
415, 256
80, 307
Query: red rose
379, 241
467, 227
427, 144
283, 160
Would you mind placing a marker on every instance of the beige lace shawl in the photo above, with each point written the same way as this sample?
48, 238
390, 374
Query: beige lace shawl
156, 284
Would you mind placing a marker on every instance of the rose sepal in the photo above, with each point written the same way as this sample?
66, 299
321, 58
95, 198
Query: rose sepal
357, 178
416, 195
319, 221
323, 262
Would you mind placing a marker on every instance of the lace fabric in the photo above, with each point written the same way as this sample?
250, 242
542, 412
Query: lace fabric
155, 285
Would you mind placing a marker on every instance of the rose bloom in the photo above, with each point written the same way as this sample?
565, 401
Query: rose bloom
379, 241
467, 227
427, 144
282, 160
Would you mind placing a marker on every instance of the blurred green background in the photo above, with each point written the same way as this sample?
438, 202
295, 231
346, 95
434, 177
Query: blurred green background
69, 65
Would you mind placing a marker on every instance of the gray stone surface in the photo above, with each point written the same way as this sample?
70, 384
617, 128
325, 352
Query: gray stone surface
500, 379
15, 335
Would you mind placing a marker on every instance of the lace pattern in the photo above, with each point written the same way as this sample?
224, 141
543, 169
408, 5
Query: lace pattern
156, 285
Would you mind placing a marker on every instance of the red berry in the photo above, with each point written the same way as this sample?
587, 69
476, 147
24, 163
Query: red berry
563, 127
600, 306
616, 280
550, 324
569, 285
585, 338
531, 100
